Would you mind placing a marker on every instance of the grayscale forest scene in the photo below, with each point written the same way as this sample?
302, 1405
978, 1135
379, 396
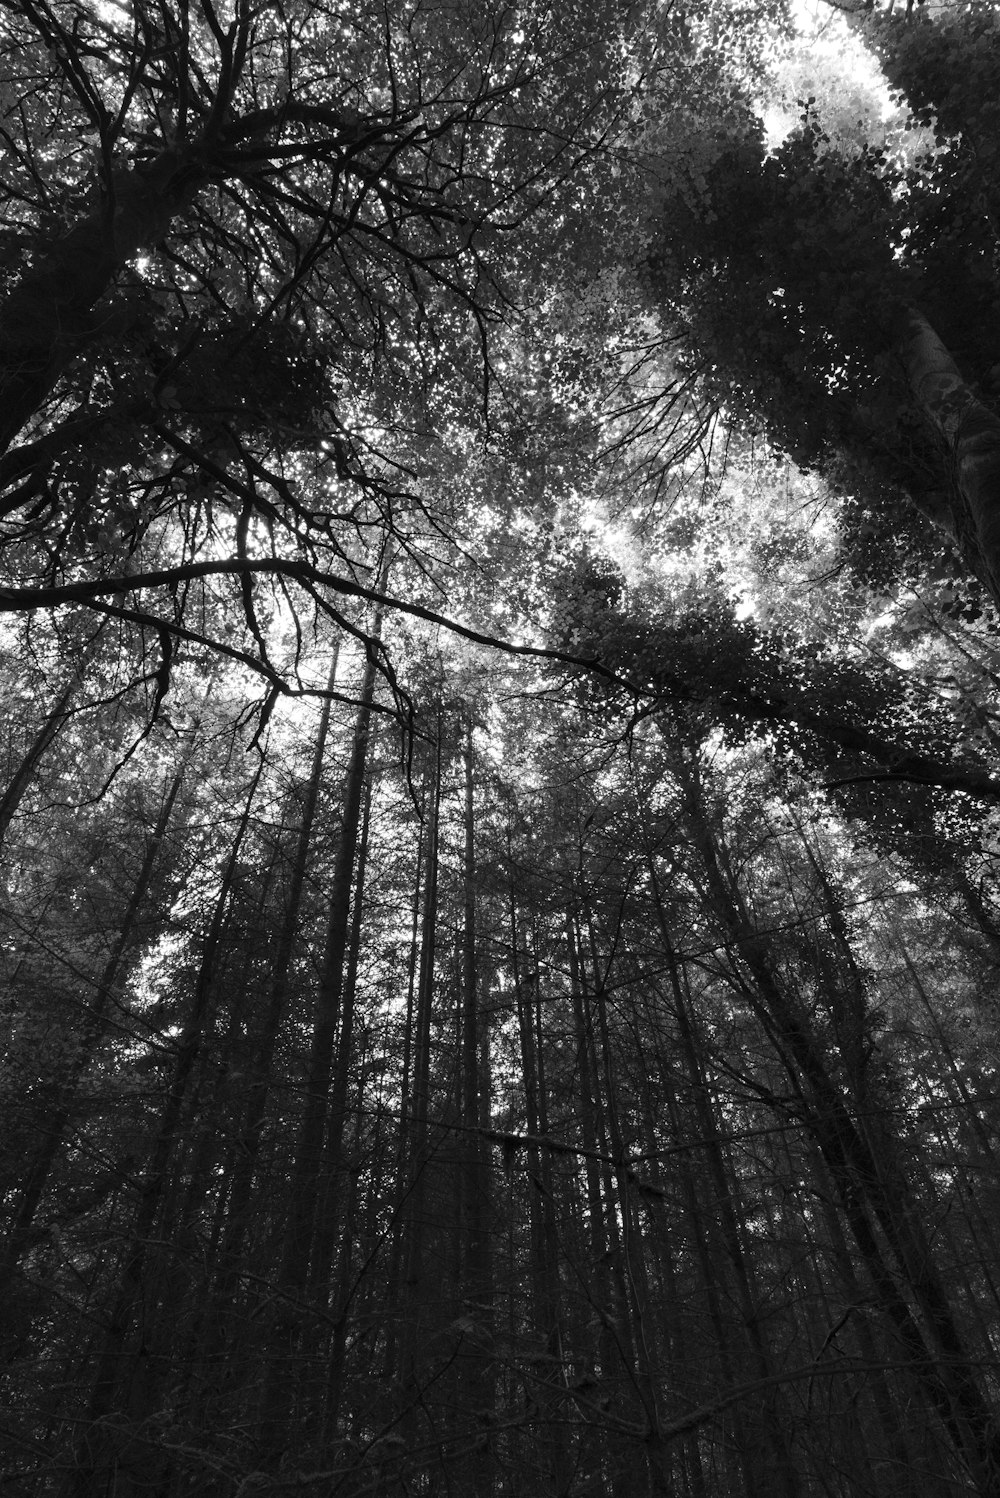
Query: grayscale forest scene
500, 749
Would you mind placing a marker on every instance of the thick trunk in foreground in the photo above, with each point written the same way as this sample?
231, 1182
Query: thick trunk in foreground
971, 433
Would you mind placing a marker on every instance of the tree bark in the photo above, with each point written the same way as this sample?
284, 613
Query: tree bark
970, 432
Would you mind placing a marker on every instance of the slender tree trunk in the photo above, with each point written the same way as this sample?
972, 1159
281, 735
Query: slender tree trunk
414, 1210
209, 1095
326, 1228
400, 1196
122, 1358
307, 1171
24, 774
345, 1287
259, 1079
768, 1419
476, 1274
41, 1166
679, 1367
631, 1272
194, 1331
550, 1393
701, 1232
610, 1354
866, 1184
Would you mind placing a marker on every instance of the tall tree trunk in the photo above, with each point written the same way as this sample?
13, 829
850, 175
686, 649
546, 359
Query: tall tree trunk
122, 1360
40, 1168
24, 774
401, 1185
679, 1367
550, 1393
628, 1255
867, 1185
204, 1180
414, 1208
764, 1426
345, 1289
307, 1170
337, 1114
610, 1353
971, 434
248, 1143
476, 1276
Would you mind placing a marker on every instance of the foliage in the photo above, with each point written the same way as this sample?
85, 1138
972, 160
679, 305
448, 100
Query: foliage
791, 272
590, 1088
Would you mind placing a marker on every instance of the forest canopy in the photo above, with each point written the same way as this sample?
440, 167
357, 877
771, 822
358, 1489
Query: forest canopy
500, 549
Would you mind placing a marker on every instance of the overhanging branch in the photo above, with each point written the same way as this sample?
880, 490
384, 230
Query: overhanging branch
313, 579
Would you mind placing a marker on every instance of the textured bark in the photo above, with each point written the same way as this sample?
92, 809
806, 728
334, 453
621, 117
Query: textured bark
971, 434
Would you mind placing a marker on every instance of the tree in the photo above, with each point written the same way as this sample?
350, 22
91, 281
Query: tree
567, 1069
844, 300
214, 310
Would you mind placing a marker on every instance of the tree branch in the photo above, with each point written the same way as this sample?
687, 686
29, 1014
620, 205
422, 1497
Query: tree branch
17, 600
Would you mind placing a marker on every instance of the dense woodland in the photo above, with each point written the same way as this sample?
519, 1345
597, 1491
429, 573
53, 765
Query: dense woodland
499, 737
